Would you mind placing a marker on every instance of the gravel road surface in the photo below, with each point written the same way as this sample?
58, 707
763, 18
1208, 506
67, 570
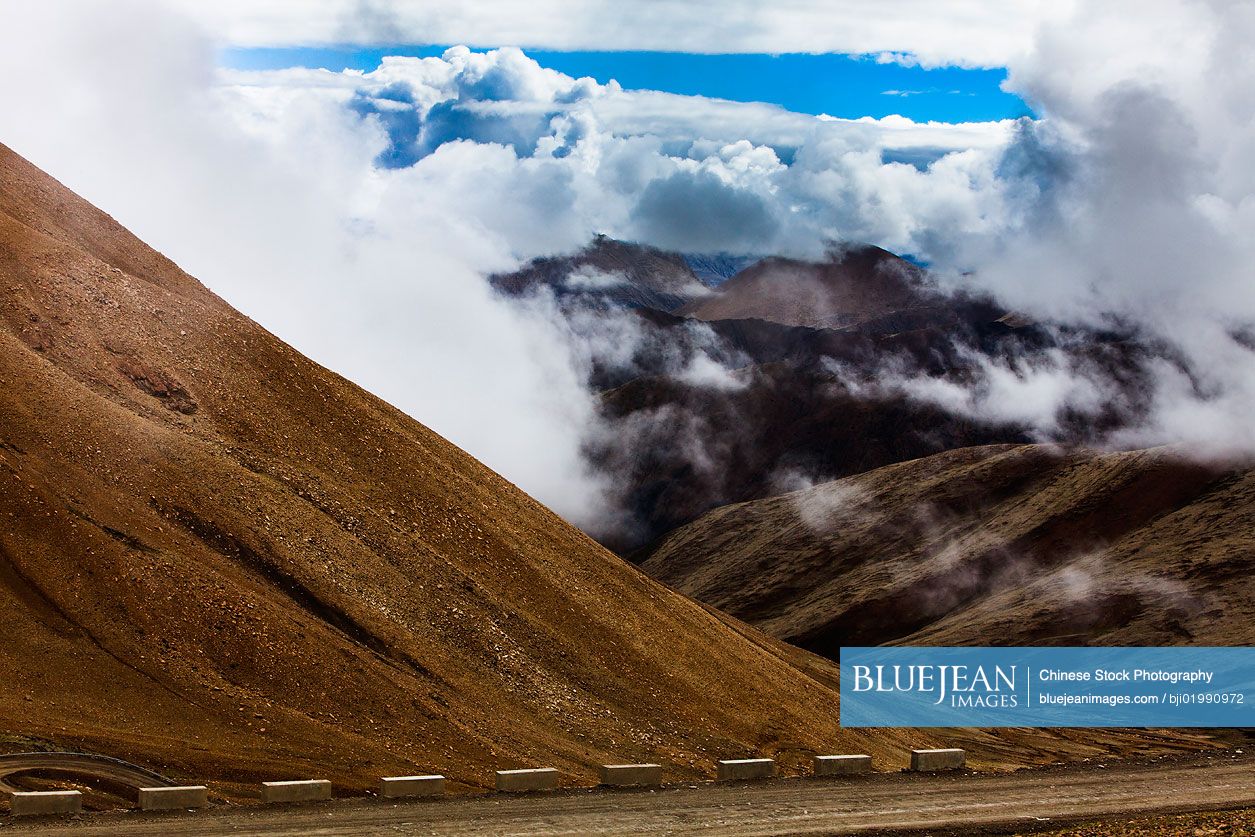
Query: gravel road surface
881, 803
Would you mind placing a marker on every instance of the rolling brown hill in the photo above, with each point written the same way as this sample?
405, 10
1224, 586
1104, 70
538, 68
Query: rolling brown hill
1004, 544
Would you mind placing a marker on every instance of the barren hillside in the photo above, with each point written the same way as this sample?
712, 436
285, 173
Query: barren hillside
1005, 544
223, 561
226, 563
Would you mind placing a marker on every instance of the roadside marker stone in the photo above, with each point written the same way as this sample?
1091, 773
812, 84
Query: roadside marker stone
304, 790
532, 779
173, 799
842, 765
929, 760
45, 803
732, 770
631, 775
396, 787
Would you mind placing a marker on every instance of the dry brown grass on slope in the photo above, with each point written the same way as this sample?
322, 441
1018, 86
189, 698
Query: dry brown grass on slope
1001, 544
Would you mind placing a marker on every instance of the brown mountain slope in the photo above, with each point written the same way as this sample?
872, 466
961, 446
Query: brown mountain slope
861, 284
1003, 544
225, 562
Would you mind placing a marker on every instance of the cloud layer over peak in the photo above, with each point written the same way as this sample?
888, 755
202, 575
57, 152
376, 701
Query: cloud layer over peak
355, 213
678, 171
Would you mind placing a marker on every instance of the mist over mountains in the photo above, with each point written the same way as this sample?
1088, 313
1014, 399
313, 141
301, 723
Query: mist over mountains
793, 372
1088, 268
1123, 206
225, 561
998, 544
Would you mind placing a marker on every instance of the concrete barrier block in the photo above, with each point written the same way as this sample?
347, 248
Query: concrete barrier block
173, 799
304, 790
842, 765
534, 779
731, 770
631, 775
44, 803
396, 787
936, 759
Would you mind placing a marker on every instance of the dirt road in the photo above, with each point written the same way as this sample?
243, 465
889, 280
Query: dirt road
879, 803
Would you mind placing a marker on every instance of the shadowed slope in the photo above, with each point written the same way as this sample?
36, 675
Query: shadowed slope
781, 423
999, 545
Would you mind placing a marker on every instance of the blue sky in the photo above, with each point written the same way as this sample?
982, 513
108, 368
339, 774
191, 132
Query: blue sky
839, 85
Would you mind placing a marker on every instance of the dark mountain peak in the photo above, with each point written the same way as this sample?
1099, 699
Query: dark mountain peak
855, 283
608, 271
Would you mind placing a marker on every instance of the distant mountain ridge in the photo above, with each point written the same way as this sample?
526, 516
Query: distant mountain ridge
801, 351
610, 272
857, 283
1016, 545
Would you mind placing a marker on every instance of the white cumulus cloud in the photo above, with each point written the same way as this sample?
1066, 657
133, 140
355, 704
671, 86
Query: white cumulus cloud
356, 213
970, 32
